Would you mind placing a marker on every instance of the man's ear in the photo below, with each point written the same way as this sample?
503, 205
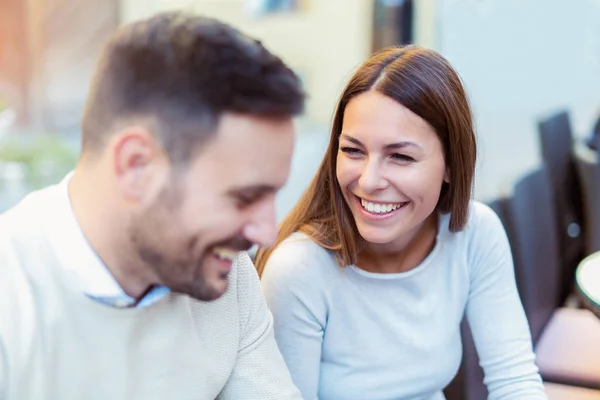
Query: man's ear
135, 151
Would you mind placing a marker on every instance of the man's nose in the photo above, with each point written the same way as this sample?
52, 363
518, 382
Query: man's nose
262, 226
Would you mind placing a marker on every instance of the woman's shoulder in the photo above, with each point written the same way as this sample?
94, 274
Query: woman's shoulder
485, 236
483, 229
298, 256
301, 245
481, 218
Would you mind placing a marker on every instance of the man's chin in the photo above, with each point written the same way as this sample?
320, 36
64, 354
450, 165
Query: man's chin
204, 291
211, 291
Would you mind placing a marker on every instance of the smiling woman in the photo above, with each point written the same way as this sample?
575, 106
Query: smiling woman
376, 265
389, 157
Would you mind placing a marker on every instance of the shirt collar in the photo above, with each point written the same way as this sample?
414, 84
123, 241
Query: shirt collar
81, 263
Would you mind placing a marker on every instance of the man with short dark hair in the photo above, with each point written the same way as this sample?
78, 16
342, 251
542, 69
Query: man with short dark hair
124, 280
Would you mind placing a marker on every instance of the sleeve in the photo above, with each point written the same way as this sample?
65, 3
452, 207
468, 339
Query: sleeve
295, 294
496, 316
260, 372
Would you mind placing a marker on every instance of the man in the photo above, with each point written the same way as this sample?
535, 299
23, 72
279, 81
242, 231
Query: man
121, 282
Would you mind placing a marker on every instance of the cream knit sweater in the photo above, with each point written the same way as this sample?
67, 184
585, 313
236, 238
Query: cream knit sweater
55, 343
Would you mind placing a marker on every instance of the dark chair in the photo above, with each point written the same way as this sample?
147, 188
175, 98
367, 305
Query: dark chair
556, 143
565, 340
588, 168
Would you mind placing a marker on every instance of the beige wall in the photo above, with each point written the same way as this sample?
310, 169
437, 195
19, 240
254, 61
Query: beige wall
425, 22
323, 42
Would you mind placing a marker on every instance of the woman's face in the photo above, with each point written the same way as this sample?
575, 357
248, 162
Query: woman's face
390, 168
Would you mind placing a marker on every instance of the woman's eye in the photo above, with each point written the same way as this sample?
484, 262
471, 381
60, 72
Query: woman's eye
350, 150
402, 157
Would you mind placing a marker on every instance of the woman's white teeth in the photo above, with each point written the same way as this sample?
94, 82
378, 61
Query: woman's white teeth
378, 208
225, 254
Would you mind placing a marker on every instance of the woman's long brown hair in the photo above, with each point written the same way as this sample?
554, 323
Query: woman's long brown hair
425, 83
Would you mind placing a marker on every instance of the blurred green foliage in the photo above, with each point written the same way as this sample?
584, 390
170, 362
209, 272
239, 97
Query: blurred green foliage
45, 158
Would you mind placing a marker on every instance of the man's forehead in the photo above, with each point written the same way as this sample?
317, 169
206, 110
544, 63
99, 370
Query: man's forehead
260, 174
249, 152
243, 170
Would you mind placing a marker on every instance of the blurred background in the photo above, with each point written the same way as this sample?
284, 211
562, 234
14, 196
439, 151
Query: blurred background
530, 67
520, 61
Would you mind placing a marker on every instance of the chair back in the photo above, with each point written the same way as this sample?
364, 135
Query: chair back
535, 248
556, 141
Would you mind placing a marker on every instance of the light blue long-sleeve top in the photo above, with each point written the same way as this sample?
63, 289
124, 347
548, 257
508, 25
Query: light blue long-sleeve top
349, 334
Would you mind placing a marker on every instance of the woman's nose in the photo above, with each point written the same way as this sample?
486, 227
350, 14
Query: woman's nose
372, 178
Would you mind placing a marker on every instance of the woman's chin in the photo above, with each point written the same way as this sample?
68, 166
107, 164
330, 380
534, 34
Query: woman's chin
375, 236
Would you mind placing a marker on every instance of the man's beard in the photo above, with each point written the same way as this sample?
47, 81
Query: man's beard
180, 275
182, 271
178, 269
176, 264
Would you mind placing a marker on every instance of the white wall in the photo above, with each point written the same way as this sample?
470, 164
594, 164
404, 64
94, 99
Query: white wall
520, 60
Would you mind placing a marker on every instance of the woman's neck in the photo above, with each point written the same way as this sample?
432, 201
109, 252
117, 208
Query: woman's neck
400, 257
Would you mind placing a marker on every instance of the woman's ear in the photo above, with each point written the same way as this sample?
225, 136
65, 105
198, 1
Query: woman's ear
447, 176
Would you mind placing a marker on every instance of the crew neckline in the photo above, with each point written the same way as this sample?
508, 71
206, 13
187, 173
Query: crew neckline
443, 221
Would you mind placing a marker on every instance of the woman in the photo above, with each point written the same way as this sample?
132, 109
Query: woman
384, 253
